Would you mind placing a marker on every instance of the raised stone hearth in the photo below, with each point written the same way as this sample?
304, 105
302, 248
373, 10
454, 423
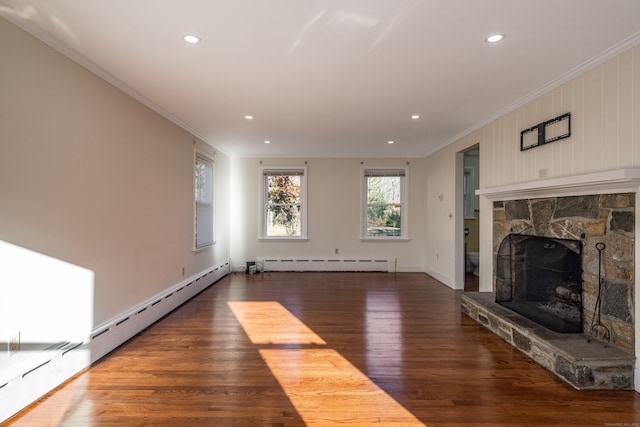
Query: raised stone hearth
599, 211
583, 364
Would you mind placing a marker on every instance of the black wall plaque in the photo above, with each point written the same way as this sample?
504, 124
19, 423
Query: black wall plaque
546, 132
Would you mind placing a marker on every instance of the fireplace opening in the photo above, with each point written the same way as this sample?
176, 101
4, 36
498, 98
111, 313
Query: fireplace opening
541, 279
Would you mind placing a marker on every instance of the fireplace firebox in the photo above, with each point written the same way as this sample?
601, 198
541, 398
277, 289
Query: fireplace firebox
541, 279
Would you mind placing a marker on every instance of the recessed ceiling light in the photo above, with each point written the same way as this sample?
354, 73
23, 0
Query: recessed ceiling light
390, 142
415, 116
248, 117
495, 38
190, 38
267, 142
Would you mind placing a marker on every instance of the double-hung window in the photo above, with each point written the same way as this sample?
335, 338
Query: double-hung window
203, 201
283, 203
385, 212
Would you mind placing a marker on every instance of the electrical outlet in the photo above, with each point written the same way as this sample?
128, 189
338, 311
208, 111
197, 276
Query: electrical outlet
543, 173
14, 343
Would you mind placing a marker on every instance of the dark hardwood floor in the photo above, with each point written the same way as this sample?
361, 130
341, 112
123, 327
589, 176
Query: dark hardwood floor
298, 349
471, 282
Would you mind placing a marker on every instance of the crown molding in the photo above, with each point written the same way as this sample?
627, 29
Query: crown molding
77, 57
602, 57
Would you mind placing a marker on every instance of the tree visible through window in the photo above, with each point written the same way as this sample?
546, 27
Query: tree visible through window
283, 213
384, 202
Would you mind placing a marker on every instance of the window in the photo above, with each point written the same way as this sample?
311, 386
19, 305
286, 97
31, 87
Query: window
385, 205
203, 201
283, 203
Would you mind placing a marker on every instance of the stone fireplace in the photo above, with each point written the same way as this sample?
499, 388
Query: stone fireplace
592, 289
541, 279
591, 219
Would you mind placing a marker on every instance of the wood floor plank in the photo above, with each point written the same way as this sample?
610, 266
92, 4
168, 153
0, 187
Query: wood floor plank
394, 350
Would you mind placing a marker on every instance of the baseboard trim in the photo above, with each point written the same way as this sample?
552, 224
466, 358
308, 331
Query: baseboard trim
385, 264
48, 369
441, 278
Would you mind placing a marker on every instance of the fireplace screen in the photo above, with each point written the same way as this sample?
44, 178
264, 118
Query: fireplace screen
541, 279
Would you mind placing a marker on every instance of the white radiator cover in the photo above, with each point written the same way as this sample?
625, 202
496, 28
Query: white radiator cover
327, 264
48, 369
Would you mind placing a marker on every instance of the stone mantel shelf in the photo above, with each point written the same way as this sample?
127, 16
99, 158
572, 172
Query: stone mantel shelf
608, 182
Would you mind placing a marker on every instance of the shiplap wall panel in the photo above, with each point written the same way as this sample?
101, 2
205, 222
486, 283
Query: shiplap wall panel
567, 158
520, 119
592, 120
636, 105
509, 126
604, 103
609, 130
625, 109
558, 151
577, 140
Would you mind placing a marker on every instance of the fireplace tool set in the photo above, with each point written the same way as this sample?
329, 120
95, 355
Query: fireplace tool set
596, 326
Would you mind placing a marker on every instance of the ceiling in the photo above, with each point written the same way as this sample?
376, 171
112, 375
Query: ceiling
332, 78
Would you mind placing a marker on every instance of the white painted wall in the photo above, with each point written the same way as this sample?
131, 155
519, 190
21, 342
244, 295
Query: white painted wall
333, 212
92, 177
605, 106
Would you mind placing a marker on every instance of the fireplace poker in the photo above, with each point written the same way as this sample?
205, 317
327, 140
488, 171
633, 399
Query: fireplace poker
596, 325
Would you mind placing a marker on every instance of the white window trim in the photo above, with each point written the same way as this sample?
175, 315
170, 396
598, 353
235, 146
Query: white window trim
404, 230
303, 208
205, 158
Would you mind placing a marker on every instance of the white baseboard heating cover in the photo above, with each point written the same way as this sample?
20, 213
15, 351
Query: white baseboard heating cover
328, 264
48, 369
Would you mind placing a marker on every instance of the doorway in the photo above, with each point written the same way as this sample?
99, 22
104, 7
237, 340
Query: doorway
471, 217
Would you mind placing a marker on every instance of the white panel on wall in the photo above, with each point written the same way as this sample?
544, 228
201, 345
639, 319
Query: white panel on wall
603, 100
625, 110
577, 125
593, 120
544, 155
610, 101
564, 103
636, 105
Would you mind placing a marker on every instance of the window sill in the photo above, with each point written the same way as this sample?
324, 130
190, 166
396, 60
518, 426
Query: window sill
385, 239
283, 239
203, 248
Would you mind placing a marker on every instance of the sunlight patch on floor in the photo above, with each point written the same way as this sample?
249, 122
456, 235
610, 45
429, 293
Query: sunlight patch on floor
324, 387
268, 322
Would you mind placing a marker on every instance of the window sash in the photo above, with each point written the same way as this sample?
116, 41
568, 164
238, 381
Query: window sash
296, 229
392, 215
203, 233
384, 172
283, 172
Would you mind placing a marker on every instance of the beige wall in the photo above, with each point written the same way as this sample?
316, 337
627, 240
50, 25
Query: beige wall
92, 177
334, 196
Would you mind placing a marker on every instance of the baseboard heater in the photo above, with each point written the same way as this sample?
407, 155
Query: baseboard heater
48, 369
327, 264
118, 330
